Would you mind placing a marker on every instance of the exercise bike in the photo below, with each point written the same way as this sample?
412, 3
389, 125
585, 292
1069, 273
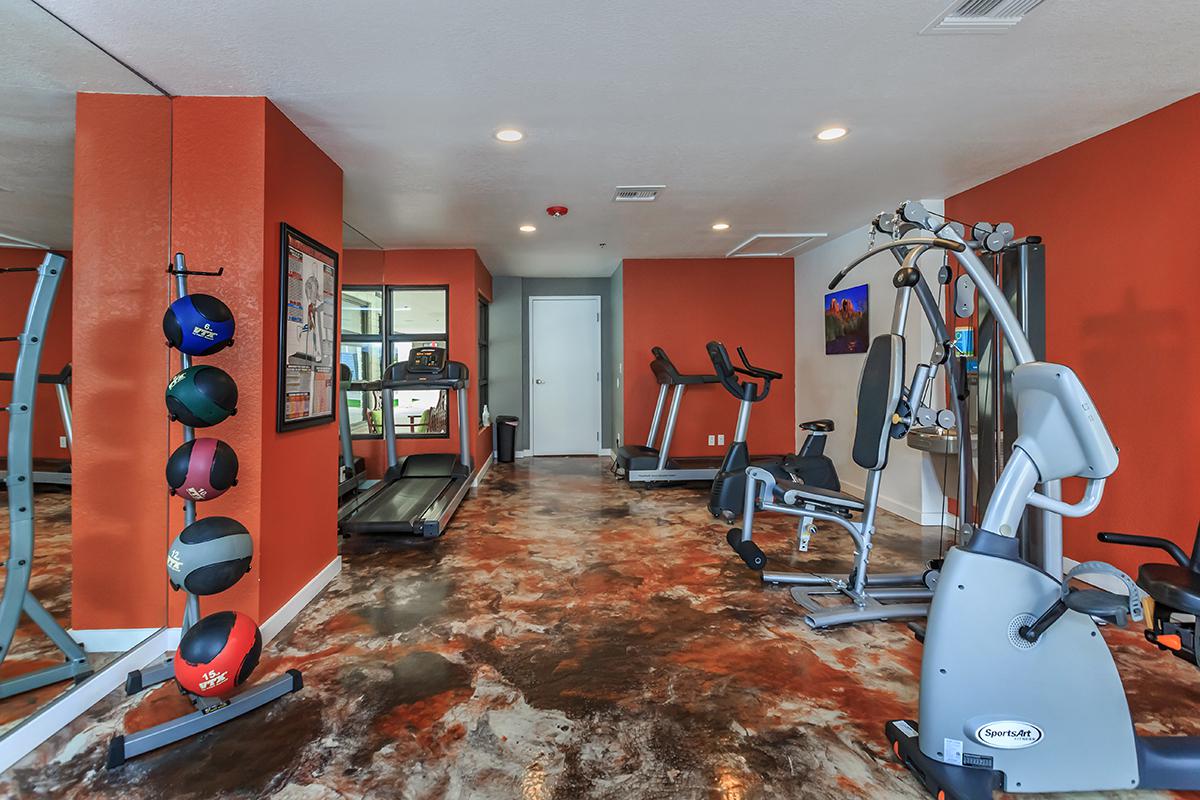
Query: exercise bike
1018, 688
809, 466
1175, 590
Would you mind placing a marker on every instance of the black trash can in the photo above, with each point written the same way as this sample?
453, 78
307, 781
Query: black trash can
506, 438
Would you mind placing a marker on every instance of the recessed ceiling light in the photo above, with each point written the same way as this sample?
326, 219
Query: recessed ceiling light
528, 228
509, 135
831, 134
720, 226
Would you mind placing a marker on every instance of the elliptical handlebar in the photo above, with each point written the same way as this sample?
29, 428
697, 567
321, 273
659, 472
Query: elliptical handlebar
756, 372
727, 373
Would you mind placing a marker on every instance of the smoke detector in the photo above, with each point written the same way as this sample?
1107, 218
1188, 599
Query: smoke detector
637, 194
981, 16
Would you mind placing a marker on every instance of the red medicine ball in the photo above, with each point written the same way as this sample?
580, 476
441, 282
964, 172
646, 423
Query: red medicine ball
217, 654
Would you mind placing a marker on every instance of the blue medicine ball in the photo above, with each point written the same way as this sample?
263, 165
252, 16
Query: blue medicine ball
198, 324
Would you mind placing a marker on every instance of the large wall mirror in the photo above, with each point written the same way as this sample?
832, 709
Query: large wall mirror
44, 660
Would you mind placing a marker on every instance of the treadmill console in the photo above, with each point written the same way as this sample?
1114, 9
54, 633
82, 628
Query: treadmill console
427, 361
426, 366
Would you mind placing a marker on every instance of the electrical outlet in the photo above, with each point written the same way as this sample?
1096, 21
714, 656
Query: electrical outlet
720, 438
712, 440
62, 442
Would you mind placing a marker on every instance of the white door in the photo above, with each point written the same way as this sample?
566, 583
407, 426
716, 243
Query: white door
564, 375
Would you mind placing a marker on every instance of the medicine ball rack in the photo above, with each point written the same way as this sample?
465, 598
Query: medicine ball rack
209, 711
19, 479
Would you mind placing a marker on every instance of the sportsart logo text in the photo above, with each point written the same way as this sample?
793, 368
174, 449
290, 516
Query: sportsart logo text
1009, 734
178, 377
173, 562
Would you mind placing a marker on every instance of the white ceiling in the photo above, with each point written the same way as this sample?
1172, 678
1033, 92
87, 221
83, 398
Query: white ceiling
717, 100
42, 65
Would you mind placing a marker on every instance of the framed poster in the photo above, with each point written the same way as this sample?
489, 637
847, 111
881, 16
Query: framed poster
308, 324
846, 323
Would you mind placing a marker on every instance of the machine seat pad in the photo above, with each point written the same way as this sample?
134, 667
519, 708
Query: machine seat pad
1171, 585
823, 425
793, 494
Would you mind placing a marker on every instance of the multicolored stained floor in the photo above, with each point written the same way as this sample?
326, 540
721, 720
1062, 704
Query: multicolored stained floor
570, 637
51, 584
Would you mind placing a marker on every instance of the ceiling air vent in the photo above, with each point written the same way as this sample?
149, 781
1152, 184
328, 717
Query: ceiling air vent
773, 244
637, 194
981, 16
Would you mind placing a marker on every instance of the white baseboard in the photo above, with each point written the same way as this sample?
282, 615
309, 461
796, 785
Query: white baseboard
483, 470
289, 610
910, 513
118, 640
110, 640
59, 713
523, 454
606, 451
139, 653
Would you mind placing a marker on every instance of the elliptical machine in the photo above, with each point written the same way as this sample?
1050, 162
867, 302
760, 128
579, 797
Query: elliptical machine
1018, 688
810, 465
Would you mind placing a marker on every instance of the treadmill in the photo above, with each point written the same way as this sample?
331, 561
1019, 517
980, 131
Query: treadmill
650, 464
352, 469
419, 493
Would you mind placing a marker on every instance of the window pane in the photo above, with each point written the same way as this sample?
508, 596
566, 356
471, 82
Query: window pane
362, 311
421, 411
365, 360
418, 311
366, 413
418, 411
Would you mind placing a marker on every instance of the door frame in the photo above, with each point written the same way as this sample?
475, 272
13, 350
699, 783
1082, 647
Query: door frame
596, 299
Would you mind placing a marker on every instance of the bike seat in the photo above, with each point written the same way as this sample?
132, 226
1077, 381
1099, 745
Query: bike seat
1171, 585
821, 425
793, 494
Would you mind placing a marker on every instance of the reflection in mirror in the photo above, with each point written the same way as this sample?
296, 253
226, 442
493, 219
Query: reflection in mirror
43, 64
360, 401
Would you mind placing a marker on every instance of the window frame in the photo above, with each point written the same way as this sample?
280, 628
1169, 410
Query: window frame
483, 333
387, 337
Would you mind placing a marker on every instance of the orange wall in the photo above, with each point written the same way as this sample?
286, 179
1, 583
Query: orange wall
468, 279
1117, 214
121, 247
240, 169
213, 178
303, 189
680, 305
56, 349
217, 210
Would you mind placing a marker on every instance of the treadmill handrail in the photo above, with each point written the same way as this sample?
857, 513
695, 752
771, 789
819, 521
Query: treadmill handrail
443, 383
667, 374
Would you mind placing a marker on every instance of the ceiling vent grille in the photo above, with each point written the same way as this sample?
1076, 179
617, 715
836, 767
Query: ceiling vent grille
765, 245
981, 16
637, 194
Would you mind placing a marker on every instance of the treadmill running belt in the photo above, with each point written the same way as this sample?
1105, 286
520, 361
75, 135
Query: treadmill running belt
399, 506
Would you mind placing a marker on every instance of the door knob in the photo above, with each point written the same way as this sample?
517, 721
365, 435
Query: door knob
539, 381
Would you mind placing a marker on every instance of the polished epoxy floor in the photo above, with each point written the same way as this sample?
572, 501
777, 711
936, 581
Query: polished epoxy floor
570, 637
50, 582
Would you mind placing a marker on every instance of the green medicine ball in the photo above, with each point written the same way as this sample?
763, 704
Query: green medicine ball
201, 396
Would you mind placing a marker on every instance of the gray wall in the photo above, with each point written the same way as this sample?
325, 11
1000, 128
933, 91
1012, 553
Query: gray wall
617, 335
508, 379
506, 345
